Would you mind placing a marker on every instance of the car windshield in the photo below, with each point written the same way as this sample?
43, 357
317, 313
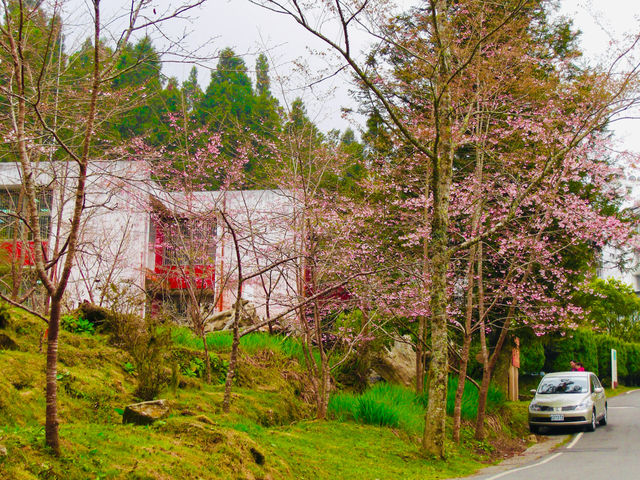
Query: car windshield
564, 385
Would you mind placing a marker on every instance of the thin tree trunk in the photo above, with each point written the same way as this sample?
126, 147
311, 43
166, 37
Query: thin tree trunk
233, 360
464, 356
324, 380
51, 425
420, 355
207, 363
422, 319
486, 371
235, 345
473, 253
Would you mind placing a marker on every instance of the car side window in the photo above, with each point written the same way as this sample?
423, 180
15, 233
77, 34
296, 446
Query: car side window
596, 382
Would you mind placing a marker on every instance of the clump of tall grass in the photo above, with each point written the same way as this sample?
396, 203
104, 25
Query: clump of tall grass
395, 406
251, 343
469, 407
383, 404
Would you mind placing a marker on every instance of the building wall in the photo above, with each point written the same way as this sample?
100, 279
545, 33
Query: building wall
119, 238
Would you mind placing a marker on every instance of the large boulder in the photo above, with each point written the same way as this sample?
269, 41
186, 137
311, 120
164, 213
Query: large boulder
224, 320
145, 413
398, 363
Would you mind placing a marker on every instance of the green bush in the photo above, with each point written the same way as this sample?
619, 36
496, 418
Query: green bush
578, 345
532, 356
149, 345
77, 324
604, 345
633, 363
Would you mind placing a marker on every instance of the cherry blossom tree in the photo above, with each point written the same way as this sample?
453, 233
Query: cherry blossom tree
64, 117
439, 62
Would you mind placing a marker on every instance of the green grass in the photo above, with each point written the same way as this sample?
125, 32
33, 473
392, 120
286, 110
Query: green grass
469, 407
251, 343
399, 407
269, 432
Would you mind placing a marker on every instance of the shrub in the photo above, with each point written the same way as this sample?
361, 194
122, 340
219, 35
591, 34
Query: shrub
532, 356
74, 324
95, 314
191, 364
149, 345
604, 345
579, 345
633, 363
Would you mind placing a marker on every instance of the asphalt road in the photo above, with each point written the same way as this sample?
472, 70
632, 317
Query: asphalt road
611, 452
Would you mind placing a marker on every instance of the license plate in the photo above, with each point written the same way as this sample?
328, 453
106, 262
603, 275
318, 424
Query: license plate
557, 418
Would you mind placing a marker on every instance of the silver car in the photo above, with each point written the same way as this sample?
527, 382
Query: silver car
568, 398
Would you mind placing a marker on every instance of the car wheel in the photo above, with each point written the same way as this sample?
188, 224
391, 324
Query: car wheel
534, 428
603, 420
592, 426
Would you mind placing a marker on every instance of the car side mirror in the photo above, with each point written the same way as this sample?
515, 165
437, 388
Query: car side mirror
533, 391
598, 390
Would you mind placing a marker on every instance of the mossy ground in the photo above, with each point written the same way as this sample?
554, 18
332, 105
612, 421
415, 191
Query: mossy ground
269, 433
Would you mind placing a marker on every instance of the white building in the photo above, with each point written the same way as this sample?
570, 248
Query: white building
137, 238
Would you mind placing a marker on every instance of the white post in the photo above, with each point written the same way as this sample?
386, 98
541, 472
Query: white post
614, 368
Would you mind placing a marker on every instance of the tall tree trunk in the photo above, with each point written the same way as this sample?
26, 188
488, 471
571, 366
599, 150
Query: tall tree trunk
441, 177
434, 433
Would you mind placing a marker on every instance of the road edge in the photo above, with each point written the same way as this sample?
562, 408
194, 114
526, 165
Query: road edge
544, 446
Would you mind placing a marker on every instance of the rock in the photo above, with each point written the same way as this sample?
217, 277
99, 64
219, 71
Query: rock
398, 364
145, 413
532, 439
224, 320
3, 451
374, 377
7, 343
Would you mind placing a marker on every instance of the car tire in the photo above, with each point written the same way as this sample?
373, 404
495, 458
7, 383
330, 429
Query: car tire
603, 420
592, 426
534, 428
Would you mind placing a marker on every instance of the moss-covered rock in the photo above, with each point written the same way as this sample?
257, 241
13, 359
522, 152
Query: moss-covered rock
145, 413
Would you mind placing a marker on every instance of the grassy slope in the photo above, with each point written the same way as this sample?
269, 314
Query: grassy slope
269, 434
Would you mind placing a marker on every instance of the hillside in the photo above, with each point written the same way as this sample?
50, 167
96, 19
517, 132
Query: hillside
269, 433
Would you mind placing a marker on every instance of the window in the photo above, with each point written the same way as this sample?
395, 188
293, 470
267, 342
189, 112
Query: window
13, 207
189, 241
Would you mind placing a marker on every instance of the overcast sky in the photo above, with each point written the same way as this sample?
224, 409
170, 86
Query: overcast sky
249, 29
